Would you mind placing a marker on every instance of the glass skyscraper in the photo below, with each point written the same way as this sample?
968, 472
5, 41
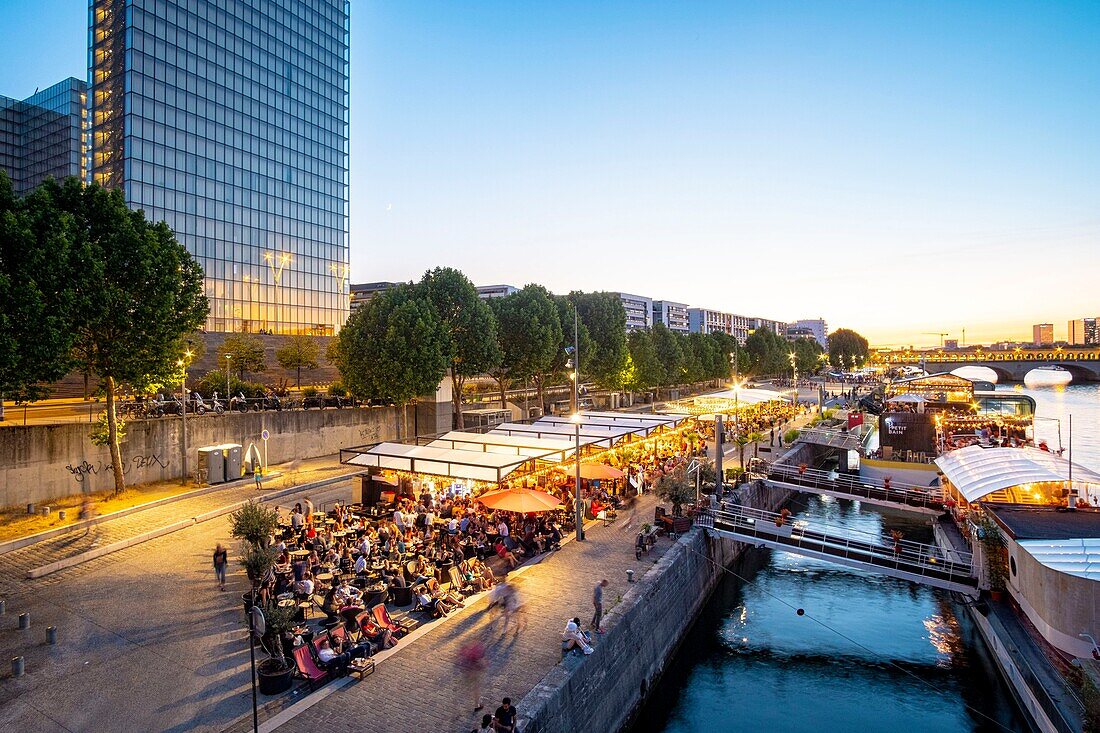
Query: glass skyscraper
228, 119
43, 135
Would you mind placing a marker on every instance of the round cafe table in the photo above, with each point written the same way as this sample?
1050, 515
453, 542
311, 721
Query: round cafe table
299, 553
324, 577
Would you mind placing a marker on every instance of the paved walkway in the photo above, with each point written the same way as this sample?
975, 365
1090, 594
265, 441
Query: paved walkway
14, 565
418, 689
147, 642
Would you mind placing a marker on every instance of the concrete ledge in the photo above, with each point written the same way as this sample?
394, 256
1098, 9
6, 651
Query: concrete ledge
21, 542
84, 557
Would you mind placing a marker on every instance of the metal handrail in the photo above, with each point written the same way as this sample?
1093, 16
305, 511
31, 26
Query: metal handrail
912, 557
900, 492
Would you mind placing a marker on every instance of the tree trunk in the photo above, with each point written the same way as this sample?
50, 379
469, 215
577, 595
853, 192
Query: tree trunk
1, 405
299, 377
542, 394
501, 385
456, 399
112, 437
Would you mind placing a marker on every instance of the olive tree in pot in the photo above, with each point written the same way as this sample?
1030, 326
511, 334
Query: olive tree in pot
276, 673
675, 488
254, 523
256, 561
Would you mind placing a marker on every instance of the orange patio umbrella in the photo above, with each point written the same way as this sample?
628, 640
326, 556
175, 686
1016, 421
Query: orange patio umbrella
524, 501
597, 472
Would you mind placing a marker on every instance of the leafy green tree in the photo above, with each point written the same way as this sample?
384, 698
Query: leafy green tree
299, 352
697, 355
246, 353
396, 348
768, 352
646, 371
807, 355
728, 353
36, 297
604, 317
670, 355
470, 324
847, 348
529, 333
137, 299
562, 355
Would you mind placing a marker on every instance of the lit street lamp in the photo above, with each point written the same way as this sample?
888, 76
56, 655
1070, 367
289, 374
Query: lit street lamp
183, 410
227, 358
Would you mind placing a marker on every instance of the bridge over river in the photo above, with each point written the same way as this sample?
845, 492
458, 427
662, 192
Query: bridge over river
1082, 362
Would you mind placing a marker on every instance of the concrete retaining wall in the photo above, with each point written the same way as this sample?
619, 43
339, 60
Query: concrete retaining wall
643, 633
42, 462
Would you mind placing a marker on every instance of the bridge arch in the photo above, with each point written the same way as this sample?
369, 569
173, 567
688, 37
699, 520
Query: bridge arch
1081, 373
1003, 375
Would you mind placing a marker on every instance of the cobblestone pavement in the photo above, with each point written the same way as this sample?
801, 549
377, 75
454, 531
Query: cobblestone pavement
418, 688
146, 640
14, 565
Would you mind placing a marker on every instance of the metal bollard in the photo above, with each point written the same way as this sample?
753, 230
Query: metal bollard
18, 666
3, 606
629, 576
30, 508
51, 635
61, 514
24, 621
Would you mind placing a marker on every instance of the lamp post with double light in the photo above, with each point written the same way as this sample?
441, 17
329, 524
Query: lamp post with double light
183, 363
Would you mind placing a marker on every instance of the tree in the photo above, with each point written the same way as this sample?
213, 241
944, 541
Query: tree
670, 355
846, 348
298, 353
604, 317
35, 293
246, 353
562, 354
138, 296
395, 348
470, 325
807, 355
645, 369
529, 333
697, 355
768, 352
676, 487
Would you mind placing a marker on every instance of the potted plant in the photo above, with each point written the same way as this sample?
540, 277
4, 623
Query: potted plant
254, 523
276, 673
675, 488
993, 548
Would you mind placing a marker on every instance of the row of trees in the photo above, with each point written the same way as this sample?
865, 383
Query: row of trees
246, 353
86, 283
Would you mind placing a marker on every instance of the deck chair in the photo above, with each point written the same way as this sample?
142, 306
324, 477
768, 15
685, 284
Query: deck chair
459, 583
449, 595
382, 618
307, 668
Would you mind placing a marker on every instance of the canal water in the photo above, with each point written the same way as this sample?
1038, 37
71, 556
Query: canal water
869, 653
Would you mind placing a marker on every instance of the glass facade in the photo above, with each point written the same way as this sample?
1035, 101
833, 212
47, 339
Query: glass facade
228, 120
43, 135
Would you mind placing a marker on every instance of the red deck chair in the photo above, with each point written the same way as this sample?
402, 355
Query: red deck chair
309, 670
382, 618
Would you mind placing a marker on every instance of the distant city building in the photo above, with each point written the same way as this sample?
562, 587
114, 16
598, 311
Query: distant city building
1042, 334
673, 315
228, 119
794, 333
1083, 332
495, 291
779, 328
363, 293
704, 320
639, 311
817, 327
44, 135
951, 344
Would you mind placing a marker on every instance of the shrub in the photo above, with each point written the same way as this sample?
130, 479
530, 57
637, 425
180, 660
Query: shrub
254, 523
310, 392
337, 390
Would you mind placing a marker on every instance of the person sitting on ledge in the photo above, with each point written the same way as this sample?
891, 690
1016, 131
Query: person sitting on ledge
573, 638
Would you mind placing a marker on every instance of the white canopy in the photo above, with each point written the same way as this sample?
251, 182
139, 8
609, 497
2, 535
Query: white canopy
907, 397
977, 472
1079, 557
545, 449
746, 396
603, 437
461, 464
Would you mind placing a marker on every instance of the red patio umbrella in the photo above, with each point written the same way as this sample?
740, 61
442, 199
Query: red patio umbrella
524, 501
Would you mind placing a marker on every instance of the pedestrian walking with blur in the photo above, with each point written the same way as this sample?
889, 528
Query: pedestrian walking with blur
221, 560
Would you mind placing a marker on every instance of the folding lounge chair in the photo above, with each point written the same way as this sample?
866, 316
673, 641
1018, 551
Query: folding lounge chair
307, 668
383, 619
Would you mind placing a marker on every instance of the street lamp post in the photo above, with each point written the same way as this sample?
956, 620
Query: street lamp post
183, 413
227, 358
579, 502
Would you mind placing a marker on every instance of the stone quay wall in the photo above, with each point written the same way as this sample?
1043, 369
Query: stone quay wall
605, 691
43, 462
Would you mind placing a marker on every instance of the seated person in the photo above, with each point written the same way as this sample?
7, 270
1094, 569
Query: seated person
436, 605
360, 565
452, 599
304, 587
505, 554
335, 659
378, 637
348, 595
505, 717
329, 605
574, 638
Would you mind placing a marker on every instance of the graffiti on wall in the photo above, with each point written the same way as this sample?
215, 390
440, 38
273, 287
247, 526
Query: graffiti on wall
85, 468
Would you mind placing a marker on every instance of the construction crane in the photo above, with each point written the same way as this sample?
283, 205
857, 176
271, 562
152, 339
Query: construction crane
933, 333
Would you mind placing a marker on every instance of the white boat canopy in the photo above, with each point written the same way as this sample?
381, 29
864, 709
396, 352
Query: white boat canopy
477, 465
1079, 557
976, 472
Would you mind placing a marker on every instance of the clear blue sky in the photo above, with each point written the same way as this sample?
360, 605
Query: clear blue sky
897, 167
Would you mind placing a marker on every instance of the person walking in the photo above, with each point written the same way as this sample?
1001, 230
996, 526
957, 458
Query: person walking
309, 511
471, 663
597, 603
221, 559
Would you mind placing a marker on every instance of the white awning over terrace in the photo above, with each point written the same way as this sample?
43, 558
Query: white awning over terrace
477, 465
544, 449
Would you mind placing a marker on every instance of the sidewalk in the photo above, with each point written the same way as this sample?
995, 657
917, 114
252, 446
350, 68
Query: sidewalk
419, 688
15, 565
